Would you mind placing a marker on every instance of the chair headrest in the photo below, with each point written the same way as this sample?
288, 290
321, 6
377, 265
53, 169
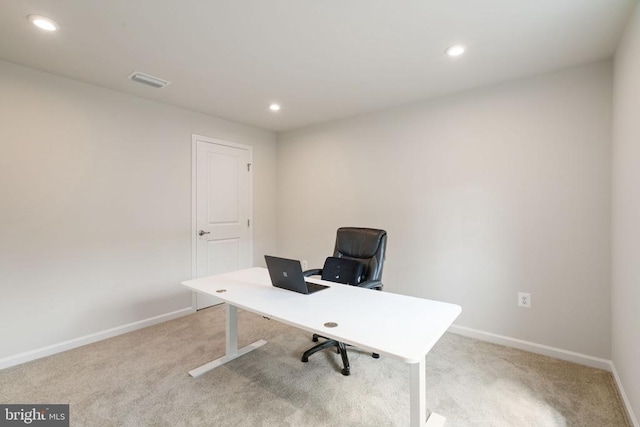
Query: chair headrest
359, 242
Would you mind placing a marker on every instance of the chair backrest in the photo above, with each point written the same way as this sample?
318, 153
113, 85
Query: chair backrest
367, 245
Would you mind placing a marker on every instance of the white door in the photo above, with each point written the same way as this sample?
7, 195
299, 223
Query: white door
222, 231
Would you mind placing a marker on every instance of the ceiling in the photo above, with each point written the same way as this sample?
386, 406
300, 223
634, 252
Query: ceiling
320, 59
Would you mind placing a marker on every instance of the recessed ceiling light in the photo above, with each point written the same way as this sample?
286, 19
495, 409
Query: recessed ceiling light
274, 107
43, 22
455, 50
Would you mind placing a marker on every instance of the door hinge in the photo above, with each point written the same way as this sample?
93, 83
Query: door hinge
248, 167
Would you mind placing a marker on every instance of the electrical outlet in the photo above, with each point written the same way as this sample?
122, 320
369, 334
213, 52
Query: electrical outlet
524, 299
304, 264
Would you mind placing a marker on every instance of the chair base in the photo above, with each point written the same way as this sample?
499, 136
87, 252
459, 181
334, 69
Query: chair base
341, 349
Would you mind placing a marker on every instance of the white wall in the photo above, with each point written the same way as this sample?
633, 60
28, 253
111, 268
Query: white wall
626, 213
483, 194
95, 206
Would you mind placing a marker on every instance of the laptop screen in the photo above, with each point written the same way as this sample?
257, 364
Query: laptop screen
287, 274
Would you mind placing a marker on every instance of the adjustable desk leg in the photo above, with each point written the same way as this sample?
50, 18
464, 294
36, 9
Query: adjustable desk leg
232, 351
232, 331
418, 399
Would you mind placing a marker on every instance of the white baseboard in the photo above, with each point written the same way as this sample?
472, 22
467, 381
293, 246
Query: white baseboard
28, 356
557, 353
570, 356
625, 399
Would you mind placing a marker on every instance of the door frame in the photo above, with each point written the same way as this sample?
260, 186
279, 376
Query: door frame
194, 181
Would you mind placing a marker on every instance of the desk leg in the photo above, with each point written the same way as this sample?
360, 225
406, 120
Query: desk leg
232, 331
232, 351
418, 399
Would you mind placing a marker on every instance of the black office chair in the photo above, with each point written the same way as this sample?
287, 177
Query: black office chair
366, 245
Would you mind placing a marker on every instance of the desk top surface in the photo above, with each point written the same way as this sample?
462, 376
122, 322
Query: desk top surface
399, 326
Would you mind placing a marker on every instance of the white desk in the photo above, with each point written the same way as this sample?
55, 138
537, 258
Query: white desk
397, 326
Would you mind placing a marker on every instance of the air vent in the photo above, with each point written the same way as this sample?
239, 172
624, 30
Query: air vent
146, 79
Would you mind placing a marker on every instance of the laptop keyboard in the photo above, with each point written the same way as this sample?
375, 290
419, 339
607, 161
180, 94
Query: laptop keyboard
314, 287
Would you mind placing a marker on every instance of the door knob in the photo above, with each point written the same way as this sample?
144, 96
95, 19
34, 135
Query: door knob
202, 232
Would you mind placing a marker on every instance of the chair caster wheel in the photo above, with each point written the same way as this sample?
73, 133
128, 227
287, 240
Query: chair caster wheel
375, 356
315, 338
346, 372
305, 359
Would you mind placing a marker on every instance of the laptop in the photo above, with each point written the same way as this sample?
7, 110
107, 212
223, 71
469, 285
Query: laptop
287, 274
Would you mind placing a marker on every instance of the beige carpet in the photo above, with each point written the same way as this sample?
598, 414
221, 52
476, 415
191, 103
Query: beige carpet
140, 379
